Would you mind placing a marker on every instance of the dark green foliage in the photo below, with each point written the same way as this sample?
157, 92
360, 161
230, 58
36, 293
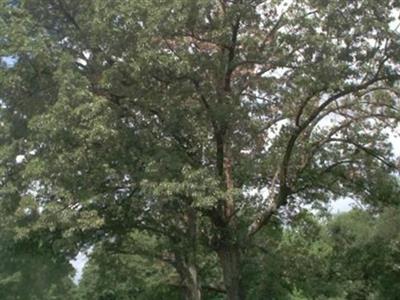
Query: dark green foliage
126, 276
30, 269
367, 253
353, 255
168, 118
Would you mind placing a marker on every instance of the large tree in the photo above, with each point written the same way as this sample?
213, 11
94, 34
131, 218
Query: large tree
167, 116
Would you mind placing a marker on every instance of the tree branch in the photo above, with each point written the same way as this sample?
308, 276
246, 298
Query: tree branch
266, 215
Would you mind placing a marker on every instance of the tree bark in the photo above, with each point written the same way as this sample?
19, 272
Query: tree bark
227, 247
186, 262
191, 285
229, 256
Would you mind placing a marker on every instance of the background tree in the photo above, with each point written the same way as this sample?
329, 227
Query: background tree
352, 255
120, 275
31, 266
140, 267
368, 257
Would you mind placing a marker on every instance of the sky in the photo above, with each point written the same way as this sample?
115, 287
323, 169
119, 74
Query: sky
79, 263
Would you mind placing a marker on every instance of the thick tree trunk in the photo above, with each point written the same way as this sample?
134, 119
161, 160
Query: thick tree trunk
193, 290
186, 259
229, 257
227, 248
190, 281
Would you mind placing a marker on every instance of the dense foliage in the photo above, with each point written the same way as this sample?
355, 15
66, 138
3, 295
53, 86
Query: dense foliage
353, 255
203, 127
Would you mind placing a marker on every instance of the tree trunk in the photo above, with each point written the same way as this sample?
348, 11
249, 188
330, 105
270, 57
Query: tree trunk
193, 291
186, 259
229, 257
190, 282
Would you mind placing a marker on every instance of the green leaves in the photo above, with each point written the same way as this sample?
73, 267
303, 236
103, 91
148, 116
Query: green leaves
161, 116
200, 188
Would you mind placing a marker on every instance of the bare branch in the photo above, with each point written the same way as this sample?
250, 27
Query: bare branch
367, 150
